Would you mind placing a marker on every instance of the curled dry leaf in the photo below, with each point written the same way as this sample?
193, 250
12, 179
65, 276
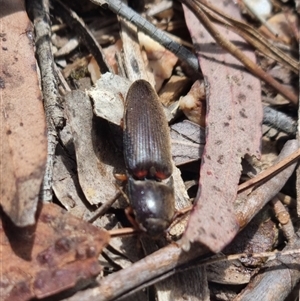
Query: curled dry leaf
193, 104
111, 53
233, 129
94, 70
173, 89
50, 257
23, 129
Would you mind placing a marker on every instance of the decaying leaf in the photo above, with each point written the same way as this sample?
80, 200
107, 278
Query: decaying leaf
233, 129
187, 140
52, 256
92, 148
23, 130
66, 185
108, 97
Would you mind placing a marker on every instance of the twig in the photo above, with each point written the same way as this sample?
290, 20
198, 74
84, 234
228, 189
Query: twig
243, 256
284, 218
122, 232
147, 269
52, 100
271, 171
279, 120
119, 8
103, 208
246, 210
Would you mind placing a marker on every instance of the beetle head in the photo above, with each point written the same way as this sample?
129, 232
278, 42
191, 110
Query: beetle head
153, 204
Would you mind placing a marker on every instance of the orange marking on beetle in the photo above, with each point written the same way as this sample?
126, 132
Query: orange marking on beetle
140, 174
160, 175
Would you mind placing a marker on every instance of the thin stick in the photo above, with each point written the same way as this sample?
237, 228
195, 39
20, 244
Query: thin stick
122, 232
242, 256
251, 35
271, 171
52, 100
103, 208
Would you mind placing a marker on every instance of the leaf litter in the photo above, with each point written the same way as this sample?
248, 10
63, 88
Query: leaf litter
89, 153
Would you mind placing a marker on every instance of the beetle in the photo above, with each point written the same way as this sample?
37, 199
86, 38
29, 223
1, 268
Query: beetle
147, 155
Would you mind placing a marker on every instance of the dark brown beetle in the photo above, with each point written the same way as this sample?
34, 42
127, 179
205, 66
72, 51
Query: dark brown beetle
147, 153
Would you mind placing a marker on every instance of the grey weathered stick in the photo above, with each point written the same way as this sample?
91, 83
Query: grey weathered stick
277, 280
284, 219
279, 120
118, 7
52, 100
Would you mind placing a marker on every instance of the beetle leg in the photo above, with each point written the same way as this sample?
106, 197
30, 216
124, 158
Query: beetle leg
121, 177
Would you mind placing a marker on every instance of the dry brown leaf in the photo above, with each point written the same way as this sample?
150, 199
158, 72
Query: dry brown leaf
111, 54
193, 104
23, 129
173, 89
160, 60
281, 25
94, 70
233, 123
50, 257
